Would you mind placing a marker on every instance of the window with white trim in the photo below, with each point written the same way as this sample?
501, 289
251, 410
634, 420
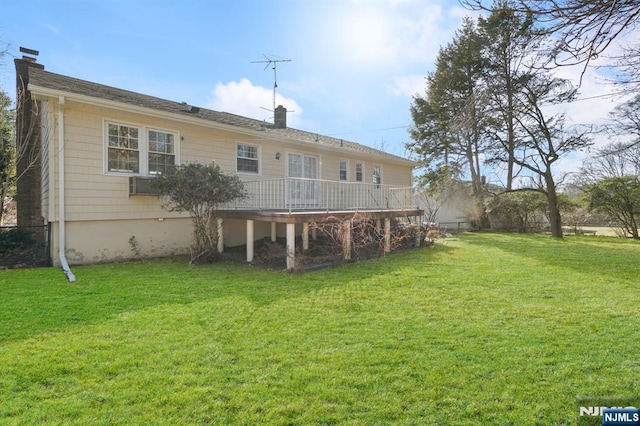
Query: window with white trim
138, 150
344, 166
377, 175
247, 158
162, 157
358, 172
123, 151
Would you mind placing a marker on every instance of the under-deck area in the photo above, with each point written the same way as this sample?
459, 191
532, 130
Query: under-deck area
294, 201
381, 218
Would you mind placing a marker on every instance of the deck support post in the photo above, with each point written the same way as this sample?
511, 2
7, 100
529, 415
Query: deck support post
249, 240
387, 235
305, 236
346, 239
378, 226
220, 229
291, 246
418, 231
273, 232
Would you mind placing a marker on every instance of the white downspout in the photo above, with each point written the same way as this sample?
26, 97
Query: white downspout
61, 231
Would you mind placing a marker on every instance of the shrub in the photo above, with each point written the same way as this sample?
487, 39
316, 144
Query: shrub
15, 237
198, 189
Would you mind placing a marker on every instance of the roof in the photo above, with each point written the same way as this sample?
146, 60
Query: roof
43, 79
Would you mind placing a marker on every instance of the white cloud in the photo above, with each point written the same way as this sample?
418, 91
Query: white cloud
371, 37
362, 35
408, 85
459, 12
245, 99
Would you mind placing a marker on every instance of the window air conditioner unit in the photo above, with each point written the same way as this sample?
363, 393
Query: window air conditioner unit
141, 186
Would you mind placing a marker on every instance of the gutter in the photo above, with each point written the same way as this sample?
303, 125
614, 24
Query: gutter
61, 205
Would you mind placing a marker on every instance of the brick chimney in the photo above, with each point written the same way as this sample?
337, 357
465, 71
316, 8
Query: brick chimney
28, 145
280, 118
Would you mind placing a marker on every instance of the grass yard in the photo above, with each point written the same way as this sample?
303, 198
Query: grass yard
481, 329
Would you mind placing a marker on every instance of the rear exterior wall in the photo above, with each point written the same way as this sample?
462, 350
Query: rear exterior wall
103, 220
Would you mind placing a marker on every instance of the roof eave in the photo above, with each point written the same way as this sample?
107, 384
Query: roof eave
41, 91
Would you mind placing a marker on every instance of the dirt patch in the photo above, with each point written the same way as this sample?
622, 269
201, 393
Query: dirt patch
322, 253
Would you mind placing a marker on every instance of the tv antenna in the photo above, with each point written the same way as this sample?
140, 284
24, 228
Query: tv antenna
274, 66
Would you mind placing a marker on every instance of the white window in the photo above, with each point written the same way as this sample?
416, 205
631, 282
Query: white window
344, 166
138, 150
377, 175
359, 172
248, 159
123, 151
162, 157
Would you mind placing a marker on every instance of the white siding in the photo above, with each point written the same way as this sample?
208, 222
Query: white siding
100, 214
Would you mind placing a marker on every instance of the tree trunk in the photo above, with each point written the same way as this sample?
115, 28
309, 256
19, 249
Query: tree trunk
634, 228
555, 220
511, 144
478, 194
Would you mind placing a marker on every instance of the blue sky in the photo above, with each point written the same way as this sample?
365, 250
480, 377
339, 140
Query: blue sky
354, 64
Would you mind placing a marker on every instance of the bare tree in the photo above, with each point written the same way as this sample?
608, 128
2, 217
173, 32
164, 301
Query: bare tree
7, 142
28, 154
613, 161
7, 151
626, 119
546, 138
584, 29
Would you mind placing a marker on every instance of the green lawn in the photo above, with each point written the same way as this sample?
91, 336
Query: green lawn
480, 329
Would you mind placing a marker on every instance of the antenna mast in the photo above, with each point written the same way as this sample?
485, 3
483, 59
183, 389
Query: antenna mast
270, 61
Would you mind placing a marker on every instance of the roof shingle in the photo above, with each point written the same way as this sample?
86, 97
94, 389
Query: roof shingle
41, 78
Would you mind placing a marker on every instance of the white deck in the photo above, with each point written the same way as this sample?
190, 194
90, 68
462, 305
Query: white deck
298, 194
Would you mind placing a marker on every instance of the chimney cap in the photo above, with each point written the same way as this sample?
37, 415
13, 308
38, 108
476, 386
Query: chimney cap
29, 51
32, 54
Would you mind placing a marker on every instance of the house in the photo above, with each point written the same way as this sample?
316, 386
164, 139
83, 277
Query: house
98, 145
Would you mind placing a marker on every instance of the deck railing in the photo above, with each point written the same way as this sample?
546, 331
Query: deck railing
315, 194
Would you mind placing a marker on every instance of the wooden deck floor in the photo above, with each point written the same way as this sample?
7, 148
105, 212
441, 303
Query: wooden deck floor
307, 216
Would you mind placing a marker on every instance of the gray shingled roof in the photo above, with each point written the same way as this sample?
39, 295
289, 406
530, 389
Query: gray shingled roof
49, 80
